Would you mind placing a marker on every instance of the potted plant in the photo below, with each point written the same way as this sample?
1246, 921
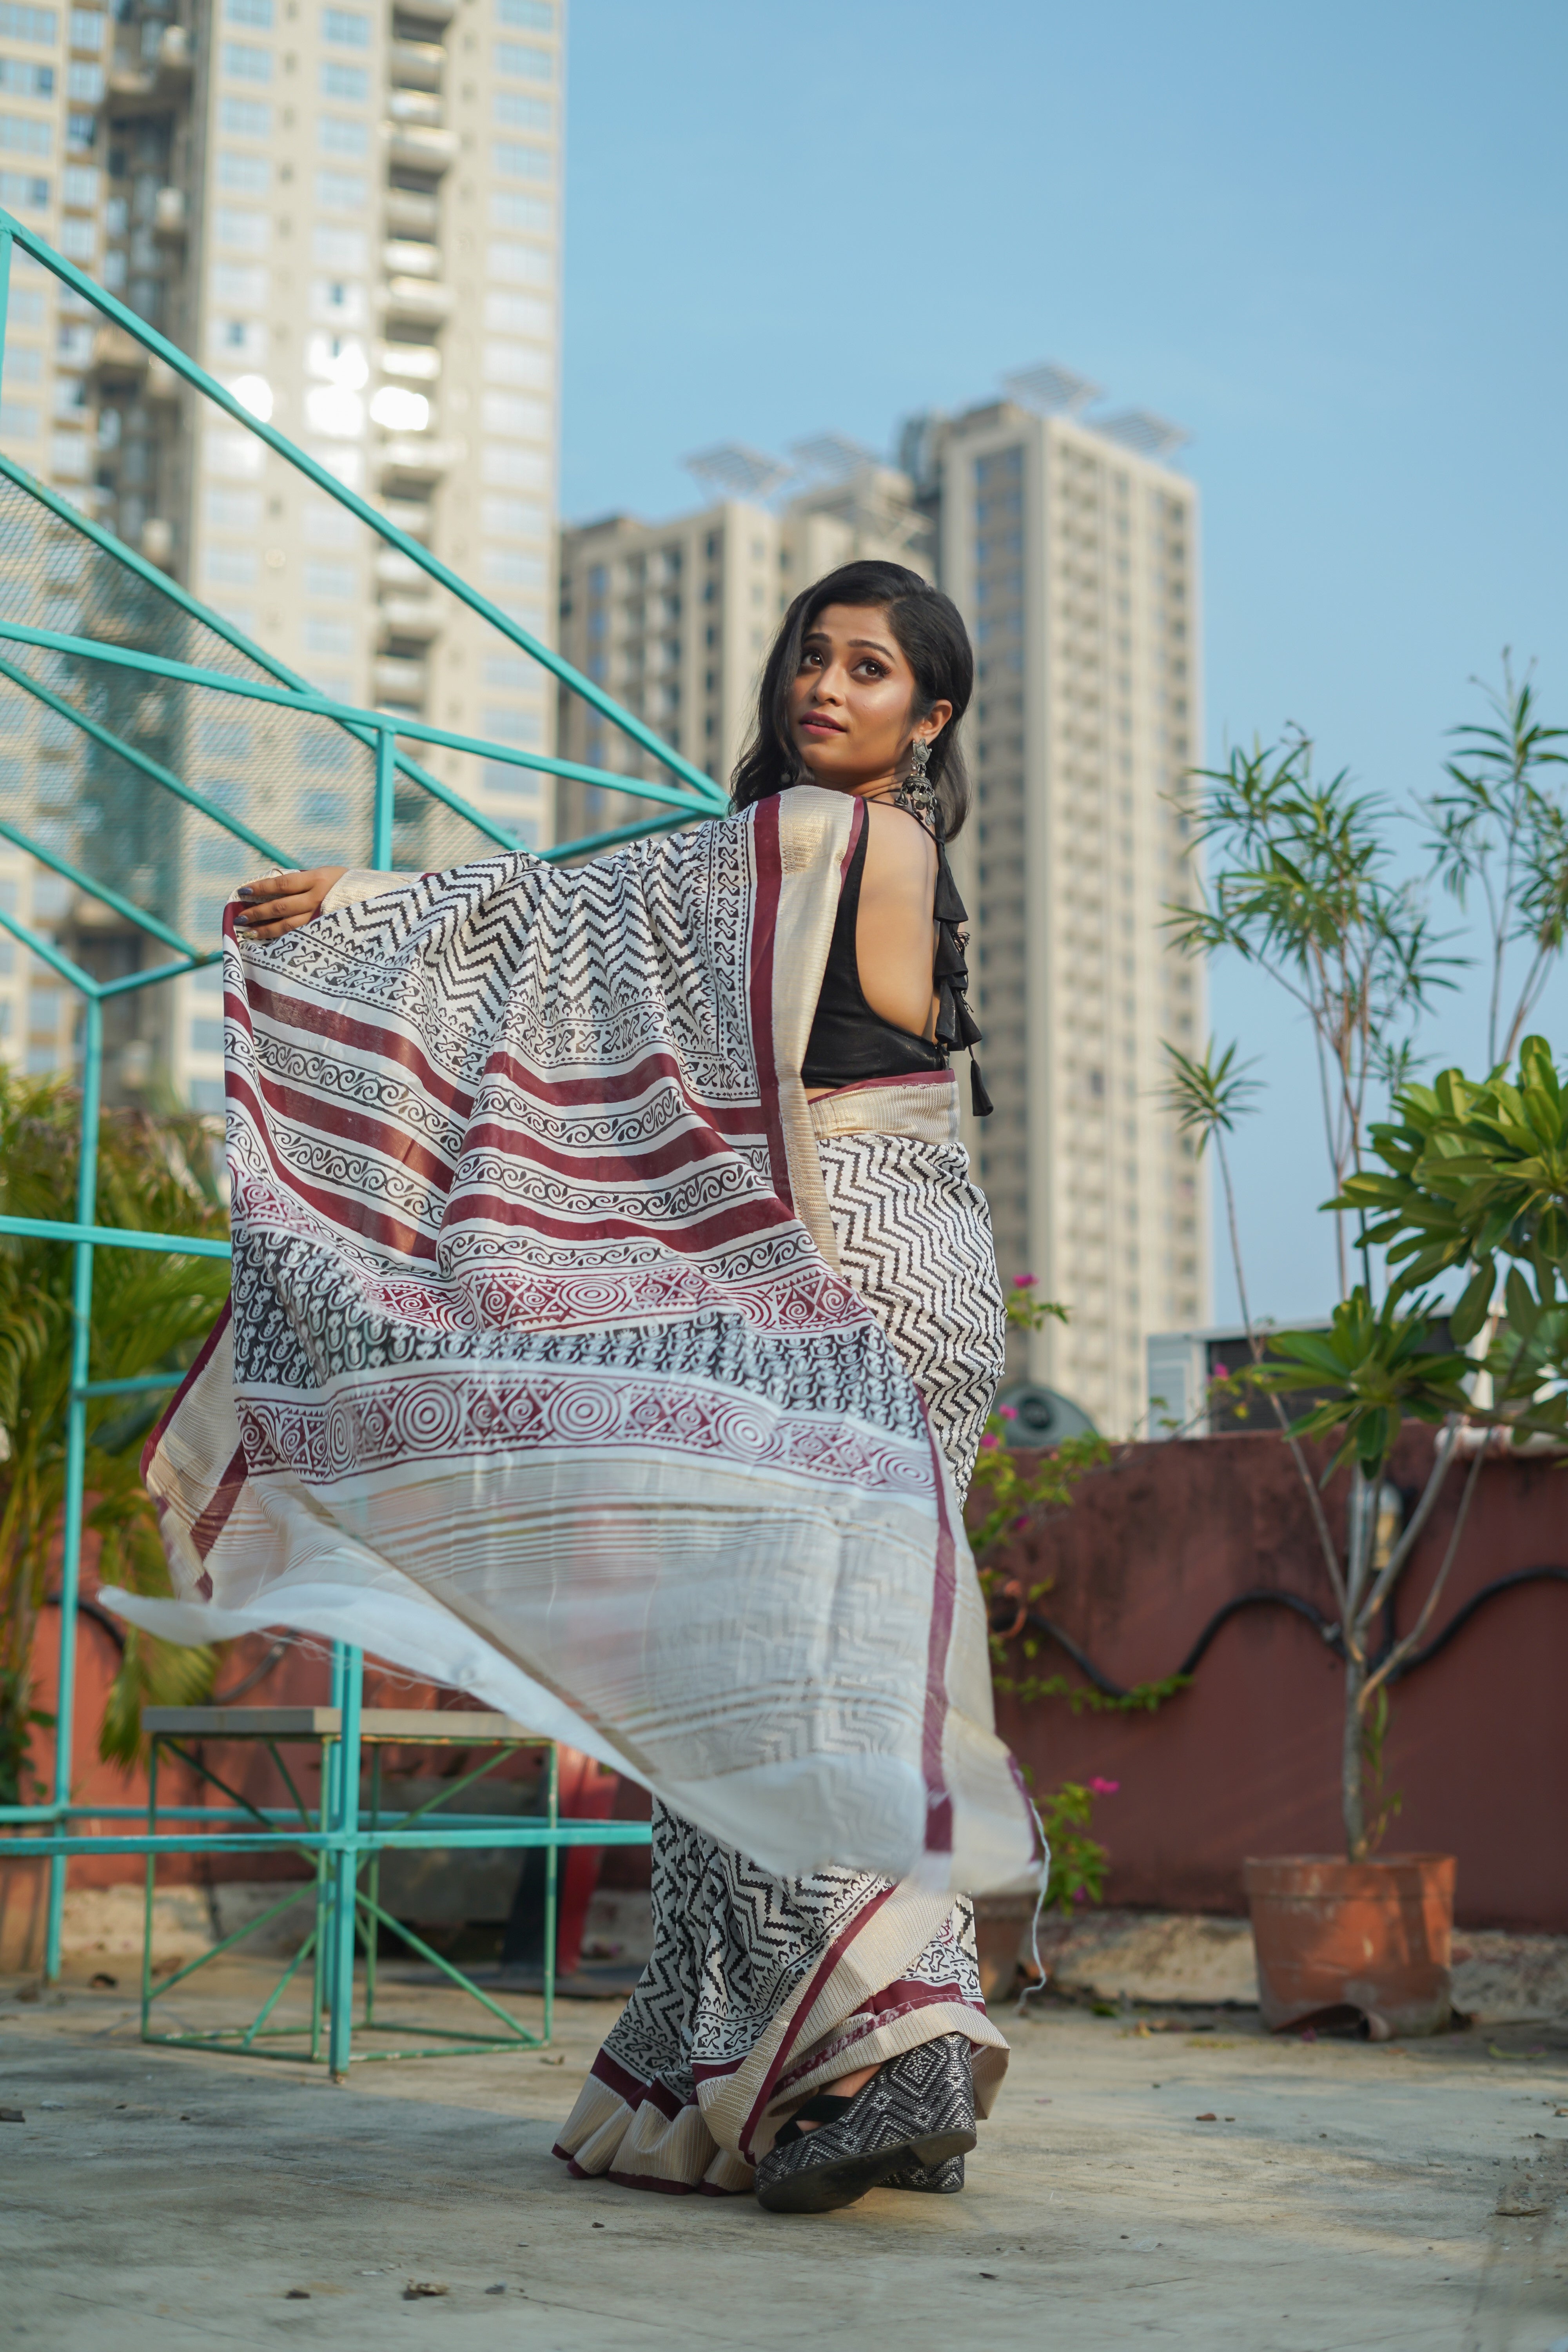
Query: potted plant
1466, 1178
148, 1312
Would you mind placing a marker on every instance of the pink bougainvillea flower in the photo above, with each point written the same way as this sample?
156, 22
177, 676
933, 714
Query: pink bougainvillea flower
990, 1442
1024, 1281
1220, 1372
1009, 1412
1081, 1894
1104, 1787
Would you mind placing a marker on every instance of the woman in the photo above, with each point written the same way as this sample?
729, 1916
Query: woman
792, 1659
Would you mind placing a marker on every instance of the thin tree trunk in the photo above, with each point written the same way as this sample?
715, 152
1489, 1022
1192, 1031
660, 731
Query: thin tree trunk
1255, 1344
1351, 1769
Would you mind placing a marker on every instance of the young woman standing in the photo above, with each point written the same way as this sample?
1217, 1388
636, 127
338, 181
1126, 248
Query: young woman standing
662, 1150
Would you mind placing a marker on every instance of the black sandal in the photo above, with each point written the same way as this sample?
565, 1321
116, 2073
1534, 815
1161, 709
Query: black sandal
917, 2108
823, 2107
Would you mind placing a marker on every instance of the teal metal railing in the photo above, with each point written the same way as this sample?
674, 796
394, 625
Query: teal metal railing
62, 660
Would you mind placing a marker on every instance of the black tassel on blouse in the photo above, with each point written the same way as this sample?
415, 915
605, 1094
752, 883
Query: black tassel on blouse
956, 1027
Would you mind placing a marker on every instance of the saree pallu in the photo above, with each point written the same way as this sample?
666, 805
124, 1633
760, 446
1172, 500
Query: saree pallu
761, 1989
546, 1373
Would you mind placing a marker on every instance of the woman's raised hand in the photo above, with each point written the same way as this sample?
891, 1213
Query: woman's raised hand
281, 902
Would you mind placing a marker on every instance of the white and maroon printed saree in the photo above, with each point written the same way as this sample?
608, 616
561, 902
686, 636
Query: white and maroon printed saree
575, 1359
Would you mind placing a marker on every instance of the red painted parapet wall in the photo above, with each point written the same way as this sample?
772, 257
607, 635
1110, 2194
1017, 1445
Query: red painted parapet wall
1245, 1761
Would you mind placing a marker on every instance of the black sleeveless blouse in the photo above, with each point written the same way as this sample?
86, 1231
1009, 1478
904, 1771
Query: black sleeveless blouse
849, 1042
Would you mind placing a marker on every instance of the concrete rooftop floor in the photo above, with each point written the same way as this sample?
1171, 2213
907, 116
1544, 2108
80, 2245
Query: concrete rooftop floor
1346, 2195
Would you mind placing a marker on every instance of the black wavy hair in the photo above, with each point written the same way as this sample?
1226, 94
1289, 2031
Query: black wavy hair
934, 642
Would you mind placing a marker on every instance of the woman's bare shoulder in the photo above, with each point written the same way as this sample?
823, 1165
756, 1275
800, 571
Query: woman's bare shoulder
899, 852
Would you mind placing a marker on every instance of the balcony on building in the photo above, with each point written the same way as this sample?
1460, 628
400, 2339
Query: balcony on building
410, 363
407, 256
410, 212
398, 571
416, 619
419, 147
119, 362
398, 681
421, 108
412, 516
151, 84
419, 457
415, 65
415, 301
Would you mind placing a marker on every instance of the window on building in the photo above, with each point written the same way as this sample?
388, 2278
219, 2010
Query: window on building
345, 29
24, 79
524, 59
246, 117
249, 175
509, 208
17, 24
348, 83
514, 109
24, 134
243, 61
513, 160
337, 135
323, 636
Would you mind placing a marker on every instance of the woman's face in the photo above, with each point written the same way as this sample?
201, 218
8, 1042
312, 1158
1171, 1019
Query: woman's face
850, 701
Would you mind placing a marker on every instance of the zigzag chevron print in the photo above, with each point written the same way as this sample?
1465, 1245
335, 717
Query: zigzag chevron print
914, 1242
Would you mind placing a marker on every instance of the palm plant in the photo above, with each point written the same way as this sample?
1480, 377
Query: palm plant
1302, 888
149, 1314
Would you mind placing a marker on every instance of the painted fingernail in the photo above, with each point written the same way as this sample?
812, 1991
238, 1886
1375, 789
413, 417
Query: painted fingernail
244, 892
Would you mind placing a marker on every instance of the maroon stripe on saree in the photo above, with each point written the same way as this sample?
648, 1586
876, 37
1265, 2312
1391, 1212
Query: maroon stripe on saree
155, 1437
801, 2007
939, 1803
764, 939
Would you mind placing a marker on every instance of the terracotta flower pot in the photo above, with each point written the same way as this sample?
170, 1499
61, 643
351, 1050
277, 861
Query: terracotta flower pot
1334, 1936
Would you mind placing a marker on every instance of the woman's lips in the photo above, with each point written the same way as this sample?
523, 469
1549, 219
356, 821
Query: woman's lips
822, 725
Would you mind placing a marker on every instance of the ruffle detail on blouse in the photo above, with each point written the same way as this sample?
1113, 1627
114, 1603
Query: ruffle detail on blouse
957, 1031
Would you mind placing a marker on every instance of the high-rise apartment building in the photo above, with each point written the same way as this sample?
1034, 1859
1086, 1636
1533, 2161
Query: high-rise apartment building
1071, 547
52, 79
350, 215
675, 619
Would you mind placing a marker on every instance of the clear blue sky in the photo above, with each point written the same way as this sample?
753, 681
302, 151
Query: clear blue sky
1329, 241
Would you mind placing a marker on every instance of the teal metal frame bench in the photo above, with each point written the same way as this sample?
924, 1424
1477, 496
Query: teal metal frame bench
320, 1837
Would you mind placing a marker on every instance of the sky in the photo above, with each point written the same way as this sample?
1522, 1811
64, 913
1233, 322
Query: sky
1328, 242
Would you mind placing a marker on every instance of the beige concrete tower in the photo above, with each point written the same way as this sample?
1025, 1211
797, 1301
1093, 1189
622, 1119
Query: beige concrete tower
1072, 549
350, 215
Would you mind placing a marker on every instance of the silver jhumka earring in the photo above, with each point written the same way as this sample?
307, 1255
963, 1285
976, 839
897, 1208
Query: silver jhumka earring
917, 793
